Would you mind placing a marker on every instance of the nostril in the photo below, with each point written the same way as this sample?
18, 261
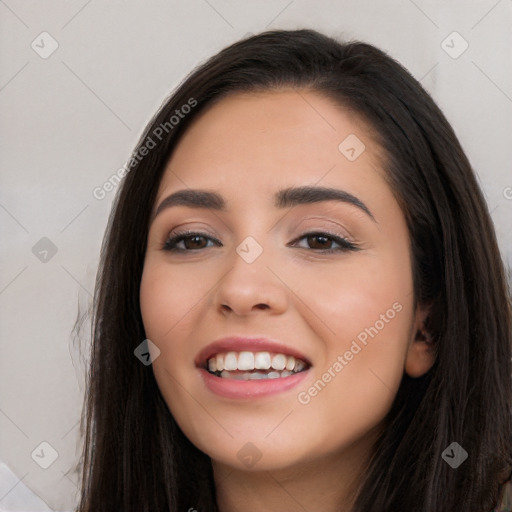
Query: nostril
261, 305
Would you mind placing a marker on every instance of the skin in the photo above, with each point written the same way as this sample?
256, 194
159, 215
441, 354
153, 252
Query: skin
246, 147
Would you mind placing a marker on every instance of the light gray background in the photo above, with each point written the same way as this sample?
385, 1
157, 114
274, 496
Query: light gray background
70, 120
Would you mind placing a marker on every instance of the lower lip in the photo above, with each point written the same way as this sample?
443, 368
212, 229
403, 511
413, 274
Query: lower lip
231, 388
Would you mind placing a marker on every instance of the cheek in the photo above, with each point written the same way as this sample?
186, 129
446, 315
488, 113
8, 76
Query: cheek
367, 315
357, 295
166, 298
167, 301
352, 392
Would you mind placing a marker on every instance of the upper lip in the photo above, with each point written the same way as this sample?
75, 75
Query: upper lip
239, 344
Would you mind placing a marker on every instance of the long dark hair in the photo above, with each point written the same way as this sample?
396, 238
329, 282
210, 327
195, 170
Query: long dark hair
135, 457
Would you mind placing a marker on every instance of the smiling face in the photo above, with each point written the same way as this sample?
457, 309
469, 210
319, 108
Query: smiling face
323, 276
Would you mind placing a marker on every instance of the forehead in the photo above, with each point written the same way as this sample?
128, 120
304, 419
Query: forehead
262, 140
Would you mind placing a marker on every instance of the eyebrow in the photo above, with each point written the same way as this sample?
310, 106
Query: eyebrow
288, 197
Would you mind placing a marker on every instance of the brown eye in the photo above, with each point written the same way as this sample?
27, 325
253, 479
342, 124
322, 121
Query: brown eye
194, 242
319, 242
190, 241
322, 242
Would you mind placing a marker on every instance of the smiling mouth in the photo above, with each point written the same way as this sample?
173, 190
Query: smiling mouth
247, 365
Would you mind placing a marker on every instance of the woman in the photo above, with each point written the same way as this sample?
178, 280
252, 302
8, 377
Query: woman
301, 303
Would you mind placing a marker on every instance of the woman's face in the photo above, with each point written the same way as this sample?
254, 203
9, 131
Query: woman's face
314, 282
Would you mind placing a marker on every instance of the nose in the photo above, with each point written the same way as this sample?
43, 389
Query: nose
250, 287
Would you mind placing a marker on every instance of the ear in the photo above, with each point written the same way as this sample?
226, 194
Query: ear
421, 353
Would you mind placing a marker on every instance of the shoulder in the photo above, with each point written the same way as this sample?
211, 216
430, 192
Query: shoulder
505, 503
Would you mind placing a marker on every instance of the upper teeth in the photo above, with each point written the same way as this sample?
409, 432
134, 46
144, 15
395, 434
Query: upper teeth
254, 361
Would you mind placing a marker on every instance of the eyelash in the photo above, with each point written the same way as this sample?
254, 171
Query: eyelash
345, 245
